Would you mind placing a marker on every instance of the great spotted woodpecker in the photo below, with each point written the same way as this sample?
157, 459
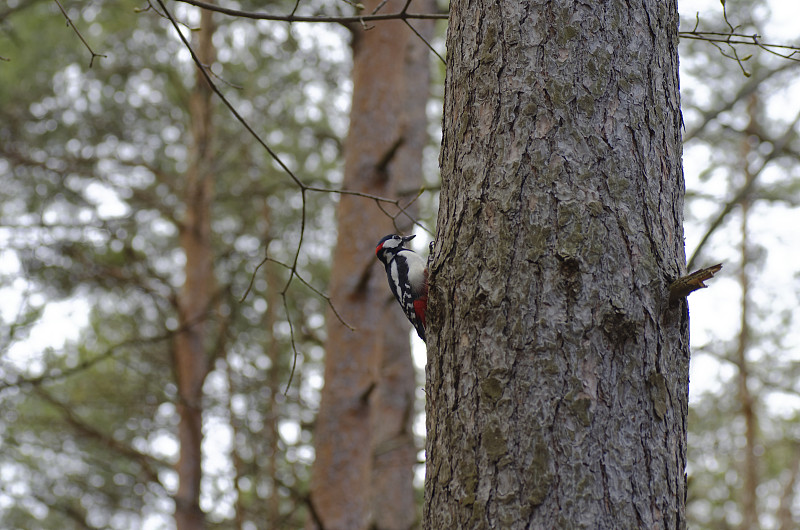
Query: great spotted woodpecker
408, 278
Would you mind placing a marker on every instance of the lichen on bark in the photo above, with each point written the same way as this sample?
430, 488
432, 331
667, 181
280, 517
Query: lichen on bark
557, 378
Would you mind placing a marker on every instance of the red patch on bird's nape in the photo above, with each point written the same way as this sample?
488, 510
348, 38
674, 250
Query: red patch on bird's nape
378, 248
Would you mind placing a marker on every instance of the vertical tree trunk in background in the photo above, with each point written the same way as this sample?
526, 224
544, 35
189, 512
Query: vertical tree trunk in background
274, 378
195, 298
557, 378
749, 495
362, 474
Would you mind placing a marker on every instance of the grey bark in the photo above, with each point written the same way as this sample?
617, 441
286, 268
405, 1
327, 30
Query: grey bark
557, 376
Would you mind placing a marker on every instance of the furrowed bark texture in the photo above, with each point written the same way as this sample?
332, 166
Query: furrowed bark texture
557, 378
362, 474
195, 299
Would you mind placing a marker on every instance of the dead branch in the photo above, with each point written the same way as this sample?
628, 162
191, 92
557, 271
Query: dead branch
685, 285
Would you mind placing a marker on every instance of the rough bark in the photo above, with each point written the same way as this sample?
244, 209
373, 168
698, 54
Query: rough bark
195, 298
557, 376
362, 474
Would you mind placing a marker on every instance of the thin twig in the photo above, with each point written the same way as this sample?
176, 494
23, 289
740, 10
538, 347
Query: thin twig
227, 103
379, 7
751, 40
150, 6
380, 200
428, 44
729, 36
294, 344
314, 289
269, 150
317, 18
223, 80
78, 33
304, 188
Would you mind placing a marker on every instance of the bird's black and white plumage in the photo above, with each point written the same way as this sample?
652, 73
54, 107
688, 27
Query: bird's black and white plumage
408, 278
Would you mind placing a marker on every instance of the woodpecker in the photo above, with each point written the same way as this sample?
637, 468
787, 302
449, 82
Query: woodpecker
408, 278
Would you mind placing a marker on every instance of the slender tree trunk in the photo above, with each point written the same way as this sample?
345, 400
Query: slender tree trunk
557, 377
194, 302
749, 495
362, 475
750, 484
274, 380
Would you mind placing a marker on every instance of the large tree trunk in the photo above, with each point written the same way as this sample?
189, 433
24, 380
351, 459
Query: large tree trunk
362, 474
194, 301
557, 376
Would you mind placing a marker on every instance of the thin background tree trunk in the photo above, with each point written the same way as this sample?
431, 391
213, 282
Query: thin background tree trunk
749, 496
362, 474
195, 299
557, 378
274, 381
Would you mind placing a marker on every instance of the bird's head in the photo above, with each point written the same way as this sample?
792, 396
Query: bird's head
390, 245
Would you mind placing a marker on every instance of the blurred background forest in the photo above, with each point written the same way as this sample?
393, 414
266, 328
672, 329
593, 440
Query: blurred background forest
98, 188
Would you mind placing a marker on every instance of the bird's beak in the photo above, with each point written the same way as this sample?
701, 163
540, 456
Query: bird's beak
406, 239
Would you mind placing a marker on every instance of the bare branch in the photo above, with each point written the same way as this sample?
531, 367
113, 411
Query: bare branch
58, 374
379, 7
78, 33
746, 89
294, 344
743, 192
754, 39
227, 103
304, 188
685, 285
401, 15
731, 38
428, 44
382, 201
146, 461
314, 289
